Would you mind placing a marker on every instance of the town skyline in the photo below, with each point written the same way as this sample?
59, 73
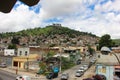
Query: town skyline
98, 17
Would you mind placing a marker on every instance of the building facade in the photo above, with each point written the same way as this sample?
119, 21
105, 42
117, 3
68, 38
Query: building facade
23, 52
9, 52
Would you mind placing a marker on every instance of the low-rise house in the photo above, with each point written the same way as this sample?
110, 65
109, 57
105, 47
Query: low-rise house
109, 71
116, 49
42, 51
9, 52
24, 62
23, 51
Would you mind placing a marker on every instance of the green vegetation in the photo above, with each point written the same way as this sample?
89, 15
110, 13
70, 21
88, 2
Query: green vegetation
66, 64
91, 50
117, 42
47, 31
106, 40
12, 46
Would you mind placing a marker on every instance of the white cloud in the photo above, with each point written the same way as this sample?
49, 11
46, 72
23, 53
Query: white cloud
74, 13
19, 19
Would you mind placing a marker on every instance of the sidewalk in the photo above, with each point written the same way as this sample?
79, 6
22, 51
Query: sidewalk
109, 59
89, 73
28, 73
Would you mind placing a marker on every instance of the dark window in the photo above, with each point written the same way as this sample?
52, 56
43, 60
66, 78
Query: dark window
20, 53
15, 63
26, 53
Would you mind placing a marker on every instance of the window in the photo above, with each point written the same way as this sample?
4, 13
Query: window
20, 53
26, 53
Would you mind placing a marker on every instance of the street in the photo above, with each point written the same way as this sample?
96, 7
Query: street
73, 70
4, 75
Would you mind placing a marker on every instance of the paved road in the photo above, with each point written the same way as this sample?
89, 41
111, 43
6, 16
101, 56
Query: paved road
73, 70
4, 75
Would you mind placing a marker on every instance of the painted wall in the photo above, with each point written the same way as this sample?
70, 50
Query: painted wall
108, 71
23, 52
9, 52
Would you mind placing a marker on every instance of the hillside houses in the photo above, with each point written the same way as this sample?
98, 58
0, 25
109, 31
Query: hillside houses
50, 36
33, 54
33, 45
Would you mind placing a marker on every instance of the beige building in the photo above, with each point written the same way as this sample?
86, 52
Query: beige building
24, 62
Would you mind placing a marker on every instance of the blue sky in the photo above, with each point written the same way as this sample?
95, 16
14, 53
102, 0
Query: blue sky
96, 16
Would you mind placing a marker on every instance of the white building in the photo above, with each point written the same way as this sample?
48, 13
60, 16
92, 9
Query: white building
9, 52
23, 52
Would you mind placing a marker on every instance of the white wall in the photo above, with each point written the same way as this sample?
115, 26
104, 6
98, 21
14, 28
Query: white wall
23, 52
9, 52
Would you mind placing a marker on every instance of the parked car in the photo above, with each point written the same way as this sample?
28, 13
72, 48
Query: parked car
78, 62
99, 77
3, 65
85, 66
92, 61
24, 77
78, 73
94, 58
88, 79
82, 68
64, 76
51, 75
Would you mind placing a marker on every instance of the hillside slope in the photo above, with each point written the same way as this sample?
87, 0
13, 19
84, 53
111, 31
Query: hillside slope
50, 36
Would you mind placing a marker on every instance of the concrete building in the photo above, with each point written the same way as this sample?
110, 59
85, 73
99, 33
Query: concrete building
108, 65
23, 52
110, 72
9, 52
116, 49
24, 62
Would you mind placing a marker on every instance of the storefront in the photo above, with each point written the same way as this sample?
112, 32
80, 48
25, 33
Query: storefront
23, 62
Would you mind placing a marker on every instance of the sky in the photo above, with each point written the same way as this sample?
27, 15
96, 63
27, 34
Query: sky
98, 17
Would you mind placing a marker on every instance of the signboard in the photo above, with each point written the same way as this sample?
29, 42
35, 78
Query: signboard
55, 69
108, 71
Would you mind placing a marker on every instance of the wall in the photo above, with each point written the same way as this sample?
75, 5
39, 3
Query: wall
9, 52
23, 52
106, 70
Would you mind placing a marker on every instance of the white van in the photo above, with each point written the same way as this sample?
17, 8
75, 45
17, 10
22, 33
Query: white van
23, 78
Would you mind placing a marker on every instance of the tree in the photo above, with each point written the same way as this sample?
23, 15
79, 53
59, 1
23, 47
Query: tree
91, 50
15, 40
105, 40
12, 46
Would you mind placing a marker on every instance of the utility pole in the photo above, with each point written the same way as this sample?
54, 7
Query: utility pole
60, 59
27, 63
116, 57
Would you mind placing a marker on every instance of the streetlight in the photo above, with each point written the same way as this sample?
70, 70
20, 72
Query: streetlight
27, 63
116, 57
60, 59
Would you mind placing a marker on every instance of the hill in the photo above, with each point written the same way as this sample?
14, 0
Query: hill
49, 36
117, 41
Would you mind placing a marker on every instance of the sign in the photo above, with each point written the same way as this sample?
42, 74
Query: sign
55, 69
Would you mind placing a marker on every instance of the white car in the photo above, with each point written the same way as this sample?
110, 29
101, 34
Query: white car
64, 76
85, 66
79, 73
23, 78
81, 69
